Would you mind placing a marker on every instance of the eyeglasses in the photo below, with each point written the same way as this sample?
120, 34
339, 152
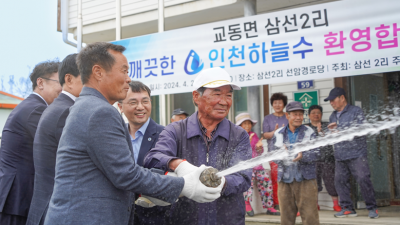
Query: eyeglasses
50, 79
136, 103
315, 113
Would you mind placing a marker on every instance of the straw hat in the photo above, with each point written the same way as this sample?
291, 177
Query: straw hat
243, 117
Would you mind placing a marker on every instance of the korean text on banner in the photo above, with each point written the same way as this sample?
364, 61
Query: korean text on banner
343, 38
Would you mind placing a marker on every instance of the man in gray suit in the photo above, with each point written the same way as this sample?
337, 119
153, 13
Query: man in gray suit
96, 174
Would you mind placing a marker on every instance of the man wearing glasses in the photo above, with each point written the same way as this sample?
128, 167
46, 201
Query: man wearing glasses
16, 157
144, 135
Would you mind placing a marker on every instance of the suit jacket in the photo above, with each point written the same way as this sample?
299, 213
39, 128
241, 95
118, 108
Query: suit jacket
16, 158
154, 215
96, 175
45, 145
149, 140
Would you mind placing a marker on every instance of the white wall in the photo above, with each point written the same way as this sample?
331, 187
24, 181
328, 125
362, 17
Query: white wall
139, 17
95, 11
4, 113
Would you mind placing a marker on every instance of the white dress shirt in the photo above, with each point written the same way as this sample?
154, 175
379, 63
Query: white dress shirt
40, 97
69, 95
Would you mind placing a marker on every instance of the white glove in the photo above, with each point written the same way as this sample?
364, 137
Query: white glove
184, 168
197, 191
144, 202
222, 183
172, 174
148, 202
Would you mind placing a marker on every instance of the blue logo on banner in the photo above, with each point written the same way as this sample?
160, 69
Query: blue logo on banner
193, 63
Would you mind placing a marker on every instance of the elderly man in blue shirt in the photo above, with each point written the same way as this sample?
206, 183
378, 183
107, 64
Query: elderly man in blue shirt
207, 137
297, 188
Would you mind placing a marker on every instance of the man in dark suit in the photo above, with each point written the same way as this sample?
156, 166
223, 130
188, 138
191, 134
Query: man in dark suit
16, 157
144, 135
47, 137
96, 174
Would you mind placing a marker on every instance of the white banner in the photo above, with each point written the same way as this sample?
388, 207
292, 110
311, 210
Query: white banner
344, 38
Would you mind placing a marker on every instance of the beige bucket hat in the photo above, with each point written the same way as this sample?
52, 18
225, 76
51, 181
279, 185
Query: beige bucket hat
243, 117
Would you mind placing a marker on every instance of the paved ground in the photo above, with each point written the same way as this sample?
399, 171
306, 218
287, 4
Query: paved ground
387, 215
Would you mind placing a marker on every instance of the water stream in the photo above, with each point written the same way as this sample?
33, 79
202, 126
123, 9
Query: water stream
373, 125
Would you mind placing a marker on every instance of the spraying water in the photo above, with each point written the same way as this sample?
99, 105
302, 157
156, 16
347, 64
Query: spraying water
377, 124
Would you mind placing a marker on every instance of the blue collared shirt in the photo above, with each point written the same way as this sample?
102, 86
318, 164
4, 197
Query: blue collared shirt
137, 141
291, 172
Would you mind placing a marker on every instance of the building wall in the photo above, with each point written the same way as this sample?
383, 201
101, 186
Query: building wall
324, 86
95, 11
4, 113
139, 17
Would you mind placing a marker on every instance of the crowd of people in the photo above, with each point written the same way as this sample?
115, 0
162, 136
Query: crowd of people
68, 156
295, 185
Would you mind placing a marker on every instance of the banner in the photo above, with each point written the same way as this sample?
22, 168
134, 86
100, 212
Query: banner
343, 38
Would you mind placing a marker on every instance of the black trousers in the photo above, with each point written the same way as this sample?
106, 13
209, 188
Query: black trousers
8, 219
326, 171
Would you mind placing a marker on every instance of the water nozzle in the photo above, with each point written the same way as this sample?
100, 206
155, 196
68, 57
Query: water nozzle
210, 178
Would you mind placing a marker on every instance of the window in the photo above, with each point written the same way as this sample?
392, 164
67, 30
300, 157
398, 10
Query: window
239, 101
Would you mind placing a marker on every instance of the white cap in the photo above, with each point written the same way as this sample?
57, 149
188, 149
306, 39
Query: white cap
213, 78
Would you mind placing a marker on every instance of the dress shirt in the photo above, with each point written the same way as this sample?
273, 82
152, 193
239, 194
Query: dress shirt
137, 141
69, 95
207, 139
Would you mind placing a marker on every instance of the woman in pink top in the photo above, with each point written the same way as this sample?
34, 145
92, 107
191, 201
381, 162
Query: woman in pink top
263, 182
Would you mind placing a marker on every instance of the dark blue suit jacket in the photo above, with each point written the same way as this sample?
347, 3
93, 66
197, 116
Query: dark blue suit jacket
45, 146
16, 158
153, 215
